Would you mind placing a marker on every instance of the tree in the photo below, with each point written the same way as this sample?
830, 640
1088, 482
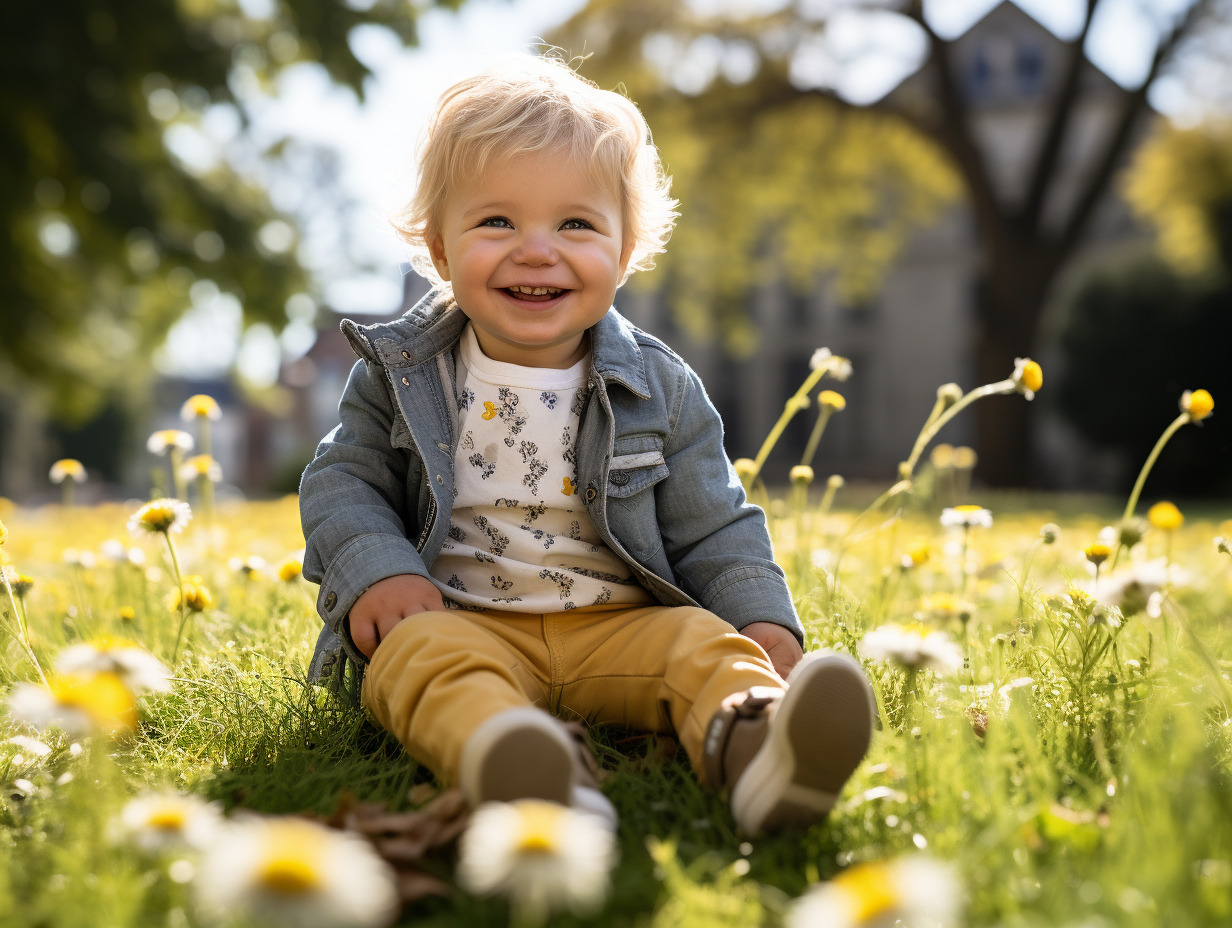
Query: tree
1022, 245
106, 229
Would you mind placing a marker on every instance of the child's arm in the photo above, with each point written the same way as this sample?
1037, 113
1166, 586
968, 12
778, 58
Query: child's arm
357, 518
715, 540
386, 603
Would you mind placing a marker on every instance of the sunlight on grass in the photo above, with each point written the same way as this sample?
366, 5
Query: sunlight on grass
1053, 746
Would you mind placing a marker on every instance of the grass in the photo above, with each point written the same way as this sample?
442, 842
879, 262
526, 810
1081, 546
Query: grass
1100, 794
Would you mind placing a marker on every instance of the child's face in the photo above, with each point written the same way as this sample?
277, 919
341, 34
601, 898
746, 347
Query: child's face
536, 221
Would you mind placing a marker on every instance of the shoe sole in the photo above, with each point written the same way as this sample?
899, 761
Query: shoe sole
820, 733
520, 754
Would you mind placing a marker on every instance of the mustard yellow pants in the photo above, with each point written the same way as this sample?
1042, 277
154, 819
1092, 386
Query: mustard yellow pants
439, 675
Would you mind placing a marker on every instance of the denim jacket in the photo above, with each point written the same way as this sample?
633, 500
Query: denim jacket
375, 502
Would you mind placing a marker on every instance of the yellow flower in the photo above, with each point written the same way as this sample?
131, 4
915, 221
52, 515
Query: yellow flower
746, 470
1097, 553
290, 569
946, 606
1028, 377
917, 554
1198, 404
1164, 515
828, 399
164, 440
802, 475
965, 458
966, 516
79, 704
196, 597
161, 515
22, 585
908, 891
942, 456
127, 614
67, 469
4, 534
200, 406
201, 465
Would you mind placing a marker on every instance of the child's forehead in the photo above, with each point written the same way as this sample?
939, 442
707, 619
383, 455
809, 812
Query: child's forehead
562, 163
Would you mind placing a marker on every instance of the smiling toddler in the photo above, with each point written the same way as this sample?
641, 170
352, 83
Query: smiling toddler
526, 513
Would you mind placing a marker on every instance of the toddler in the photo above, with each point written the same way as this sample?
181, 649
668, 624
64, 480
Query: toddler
527, 515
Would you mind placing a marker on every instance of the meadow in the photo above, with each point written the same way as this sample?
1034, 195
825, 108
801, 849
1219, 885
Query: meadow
1053, 744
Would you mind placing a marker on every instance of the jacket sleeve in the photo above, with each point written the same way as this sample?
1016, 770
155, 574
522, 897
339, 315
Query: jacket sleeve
717, 541
353, 501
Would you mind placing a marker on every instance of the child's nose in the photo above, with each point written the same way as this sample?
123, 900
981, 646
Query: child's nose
535, 249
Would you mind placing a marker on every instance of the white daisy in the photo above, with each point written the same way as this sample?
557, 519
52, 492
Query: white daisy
78, 704
966, 517
289, 871
140, 670
164, 440
911, 892
912, 649
160, 516
540, 855
157, 822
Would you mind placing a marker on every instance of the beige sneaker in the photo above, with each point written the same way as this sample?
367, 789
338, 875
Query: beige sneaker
786, 755
526, 753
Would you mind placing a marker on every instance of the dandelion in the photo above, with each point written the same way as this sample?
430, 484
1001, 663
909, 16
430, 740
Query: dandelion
1049, 532
165, 516
162, 821
67, 469
966, 517
78, 704
249, 567
201, 466
140, 670
911, 649
174, 444
193, 596
67, 472
1222, 546
167, 441
20, 583
1197, 404
1096, 553
290, 569
540, 855
1028, 377
912, 892
200, 406
1165, 516
289, 871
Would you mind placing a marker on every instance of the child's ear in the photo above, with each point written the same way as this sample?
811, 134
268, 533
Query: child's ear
436, 250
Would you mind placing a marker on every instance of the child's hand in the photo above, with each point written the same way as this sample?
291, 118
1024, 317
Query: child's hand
386, 603
779, 644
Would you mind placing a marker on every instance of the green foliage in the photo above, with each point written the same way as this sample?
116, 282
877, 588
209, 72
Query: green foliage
1129, 316
107, 230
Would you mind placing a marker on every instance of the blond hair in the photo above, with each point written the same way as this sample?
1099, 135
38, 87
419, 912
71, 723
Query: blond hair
531, 104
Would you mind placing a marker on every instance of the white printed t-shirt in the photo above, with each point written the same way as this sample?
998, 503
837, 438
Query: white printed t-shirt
519, 537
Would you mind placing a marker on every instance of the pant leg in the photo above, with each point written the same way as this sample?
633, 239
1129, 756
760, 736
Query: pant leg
655, 669
438, 676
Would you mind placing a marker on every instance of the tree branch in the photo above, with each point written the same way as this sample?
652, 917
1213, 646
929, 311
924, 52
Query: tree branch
1134, 107
1062, 108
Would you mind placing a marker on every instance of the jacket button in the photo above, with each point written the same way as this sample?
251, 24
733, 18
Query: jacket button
591, 493
440, 479
330, 601
405, 382
619, 478
407, 355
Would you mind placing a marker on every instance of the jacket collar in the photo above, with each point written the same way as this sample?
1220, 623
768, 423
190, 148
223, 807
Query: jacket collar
434, 325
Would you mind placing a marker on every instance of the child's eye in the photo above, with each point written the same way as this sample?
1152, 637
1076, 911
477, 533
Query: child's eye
572, 224
497, 222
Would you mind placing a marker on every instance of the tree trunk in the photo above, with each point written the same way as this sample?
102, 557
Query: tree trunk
1010, 298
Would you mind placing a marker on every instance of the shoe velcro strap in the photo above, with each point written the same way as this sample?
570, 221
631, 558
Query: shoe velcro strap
735, 733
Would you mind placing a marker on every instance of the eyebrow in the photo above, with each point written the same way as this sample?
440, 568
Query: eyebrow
502, 206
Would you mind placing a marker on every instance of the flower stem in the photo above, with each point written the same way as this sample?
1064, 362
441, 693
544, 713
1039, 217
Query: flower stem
936, 423
179, 579
799, 400
1151, 458
23, 634
814, 439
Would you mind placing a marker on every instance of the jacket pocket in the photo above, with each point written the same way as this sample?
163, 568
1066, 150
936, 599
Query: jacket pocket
637, 464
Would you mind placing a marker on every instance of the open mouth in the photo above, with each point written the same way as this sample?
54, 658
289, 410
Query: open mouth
534, 294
